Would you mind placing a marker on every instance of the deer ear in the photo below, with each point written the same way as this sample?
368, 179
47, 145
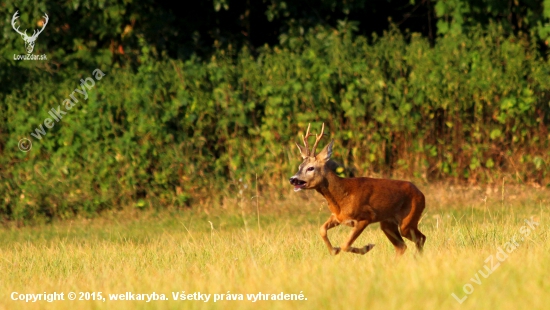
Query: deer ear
303, 151
326, 153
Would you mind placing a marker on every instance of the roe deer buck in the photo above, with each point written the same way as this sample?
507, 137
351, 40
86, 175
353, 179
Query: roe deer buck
358, 202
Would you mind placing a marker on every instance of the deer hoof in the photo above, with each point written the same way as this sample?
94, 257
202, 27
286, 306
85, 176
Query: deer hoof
367, 248
335, 251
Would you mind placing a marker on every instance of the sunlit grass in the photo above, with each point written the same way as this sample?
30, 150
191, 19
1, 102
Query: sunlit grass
211, 250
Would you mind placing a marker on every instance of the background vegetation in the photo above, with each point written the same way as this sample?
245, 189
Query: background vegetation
200, 101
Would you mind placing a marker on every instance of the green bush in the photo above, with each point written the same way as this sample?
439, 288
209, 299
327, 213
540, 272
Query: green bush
474, 107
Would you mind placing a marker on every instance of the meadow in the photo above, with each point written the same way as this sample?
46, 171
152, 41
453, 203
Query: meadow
246, 244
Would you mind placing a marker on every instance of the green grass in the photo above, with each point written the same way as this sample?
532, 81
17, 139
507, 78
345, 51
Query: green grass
179, 250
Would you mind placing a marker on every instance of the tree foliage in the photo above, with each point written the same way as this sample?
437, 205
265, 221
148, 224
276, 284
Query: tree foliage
174, 121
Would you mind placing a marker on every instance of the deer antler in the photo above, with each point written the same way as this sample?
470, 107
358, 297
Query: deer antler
304, 138
24, 35
317, 139
34, 36
306, 152
34, 33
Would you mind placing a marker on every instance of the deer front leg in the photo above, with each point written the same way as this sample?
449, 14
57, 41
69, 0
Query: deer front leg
358, 228
330, 223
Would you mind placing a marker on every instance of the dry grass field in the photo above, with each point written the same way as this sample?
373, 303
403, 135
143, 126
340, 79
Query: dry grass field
247, 245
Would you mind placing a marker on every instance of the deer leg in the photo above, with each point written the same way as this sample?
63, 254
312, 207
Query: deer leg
358, 228
330, 223
391, 231
409, 226
413, 234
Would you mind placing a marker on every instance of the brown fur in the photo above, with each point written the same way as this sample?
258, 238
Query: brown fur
358, 202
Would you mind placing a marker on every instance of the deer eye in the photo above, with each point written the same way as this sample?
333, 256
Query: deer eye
310, 169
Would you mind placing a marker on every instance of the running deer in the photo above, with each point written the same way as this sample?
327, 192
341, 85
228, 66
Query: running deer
358, 202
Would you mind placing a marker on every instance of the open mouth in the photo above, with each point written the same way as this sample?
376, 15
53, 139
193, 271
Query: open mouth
298, 185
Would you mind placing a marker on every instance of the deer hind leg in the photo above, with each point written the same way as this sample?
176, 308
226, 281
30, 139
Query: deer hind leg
412, 233
391, 231
409, 226
358, 228
330, 223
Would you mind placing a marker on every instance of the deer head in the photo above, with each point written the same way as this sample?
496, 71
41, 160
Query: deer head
312, 170
29, 41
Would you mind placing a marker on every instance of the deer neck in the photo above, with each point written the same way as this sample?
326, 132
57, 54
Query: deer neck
333, 190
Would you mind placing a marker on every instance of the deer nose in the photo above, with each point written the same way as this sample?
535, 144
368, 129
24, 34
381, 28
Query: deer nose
292, 180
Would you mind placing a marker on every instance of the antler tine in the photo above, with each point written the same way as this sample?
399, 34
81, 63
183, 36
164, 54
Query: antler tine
317, 139
46, 18
13, 20
304, 139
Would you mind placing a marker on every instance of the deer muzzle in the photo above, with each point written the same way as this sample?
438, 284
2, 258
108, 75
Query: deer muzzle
298, 184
